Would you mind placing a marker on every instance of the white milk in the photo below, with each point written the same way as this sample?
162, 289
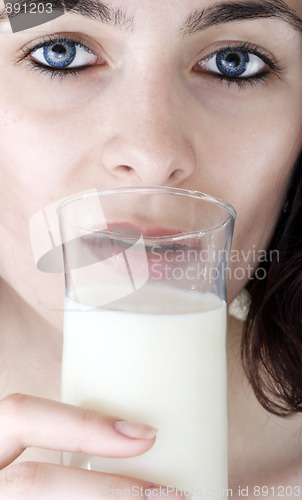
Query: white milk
167, 370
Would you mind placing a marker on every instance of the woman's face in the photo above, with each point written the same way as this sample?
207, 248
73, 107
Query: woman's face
149, 92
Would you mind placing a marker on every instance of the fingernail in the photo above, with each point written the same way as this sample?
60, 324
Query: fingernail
134, 430
170, 492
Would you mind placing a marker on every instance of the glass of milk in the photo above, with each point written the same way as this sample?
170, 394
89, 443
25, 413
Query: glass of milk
145, 327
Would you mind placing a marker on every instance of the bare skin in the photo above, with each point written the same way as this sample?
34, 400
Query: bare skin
148, 69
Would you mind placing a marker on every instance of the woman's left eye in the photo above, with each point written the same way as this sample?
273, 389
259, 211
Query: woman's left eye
63, 54
233, 63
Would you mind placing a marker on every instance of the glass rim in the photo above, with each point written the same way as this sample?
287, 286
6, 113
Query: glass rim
199, 195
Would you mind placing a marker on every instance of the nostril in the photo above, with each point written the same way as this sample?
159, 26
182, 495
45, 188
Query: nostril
124, 169
126, 172
176, 173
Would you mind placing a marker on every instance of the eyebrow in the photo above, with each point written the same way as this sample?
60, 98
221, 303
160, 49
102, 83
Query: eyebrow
199, 20
92, 9
240, 10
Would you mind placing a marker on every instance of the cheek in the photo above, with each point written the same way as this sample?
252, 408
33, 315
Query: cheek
34, 152
36, 165
246, 156
247, 143
44, 138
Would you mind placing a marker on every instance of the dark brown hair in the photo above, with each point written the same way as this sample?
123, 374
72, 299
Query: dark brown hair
272, 339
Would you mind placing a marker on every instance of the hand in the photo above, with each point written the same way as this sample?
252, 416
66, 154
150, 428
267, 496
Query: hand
28, 421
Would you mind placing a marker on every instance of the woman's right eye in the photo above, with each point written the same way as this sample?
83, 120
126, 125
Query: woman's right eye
63, 55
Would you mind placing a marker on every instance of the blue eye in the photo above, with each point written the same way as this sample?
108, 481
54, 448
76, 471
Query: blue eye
63, 54
233, 63
59, 54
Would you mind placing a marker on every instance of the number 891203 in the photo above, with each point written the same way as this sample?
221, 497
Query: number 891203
28, 8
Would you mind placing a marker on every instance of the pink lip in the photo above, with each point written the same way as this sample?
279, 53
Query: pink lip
145, 231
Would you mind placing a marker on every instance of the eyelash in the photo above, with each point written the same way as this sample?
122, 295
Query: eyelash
53, 72
274, 66
259, 78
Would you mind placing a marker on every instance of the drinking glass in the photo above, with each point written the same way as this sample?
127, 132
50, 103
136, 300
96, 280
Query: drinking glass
145, 327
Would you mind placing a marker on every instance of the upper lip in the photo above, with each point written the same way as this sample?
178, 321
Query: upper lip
133, 230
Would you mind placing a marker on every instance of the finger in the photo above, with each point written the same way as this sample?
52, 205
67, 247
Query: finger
40, 481
29, 421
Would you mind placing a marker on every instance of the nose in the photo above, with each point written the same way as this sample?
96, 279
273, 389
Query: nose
149, 144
